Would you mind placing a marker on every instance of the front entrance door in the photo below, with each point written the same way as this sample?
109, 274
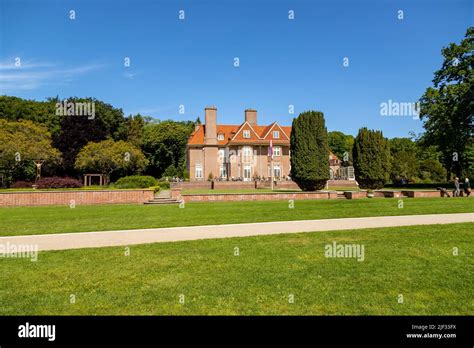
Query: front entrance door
247, 173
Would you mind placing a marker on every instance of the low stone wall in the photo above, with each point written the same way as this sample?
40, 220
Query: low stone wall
270, 196
77, 197
355, 194
414, 194
238, 185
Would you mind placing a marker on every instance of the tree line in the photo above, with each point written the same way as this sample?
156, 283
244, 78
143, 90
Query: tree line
117, 145
108, 143
446, 148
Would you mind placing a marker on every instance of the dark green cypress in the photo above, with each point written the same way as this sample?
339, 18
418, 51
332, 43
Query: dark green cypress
309, 151
371, 157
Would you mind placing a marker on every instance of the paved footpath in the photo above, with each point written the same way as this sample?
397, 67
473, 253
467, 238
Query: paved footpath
64, 241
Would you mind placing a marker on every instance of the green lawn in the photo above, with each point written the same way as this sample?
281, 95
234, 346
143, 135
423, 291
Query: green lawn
59, 219
415, 262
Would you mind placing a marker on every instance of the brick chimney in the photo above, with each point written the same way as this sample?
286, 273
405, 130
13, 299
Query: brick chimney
211, 126
251, 116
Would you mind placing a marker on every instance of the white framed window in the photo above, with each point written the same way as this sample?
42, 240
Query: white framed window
246, 134
223, 171
276, 134
221, 154
277, 151
198, 172
276, 171
247, 151
247, 173
220, 136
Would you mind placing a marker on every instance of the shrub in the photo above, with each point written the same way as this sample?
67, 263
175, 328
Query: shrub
309, 151
57, 182
371, 156
156, 188
136, 181
164, 184
22, 184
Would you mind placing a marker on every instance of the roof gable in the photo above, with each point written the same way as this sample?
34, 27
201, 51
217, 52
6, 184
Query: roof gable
269, 133
239, 135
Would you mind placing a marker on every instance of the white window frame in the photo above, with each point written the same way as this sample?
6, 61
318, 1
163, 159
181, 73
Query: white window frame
246, 133
276, 167
276, 134
220, 136
197, 170
277, 151
249, 169
247, 151
223, 171
221, 154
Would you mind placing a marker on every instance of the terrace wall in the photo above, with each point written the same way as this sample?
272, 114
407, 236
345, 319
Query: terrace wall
232, 197
237, 185
78, 197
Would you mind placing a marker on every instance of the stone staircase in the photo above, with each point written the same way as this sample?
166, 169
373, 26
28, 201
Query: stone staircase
341, 195
163, 197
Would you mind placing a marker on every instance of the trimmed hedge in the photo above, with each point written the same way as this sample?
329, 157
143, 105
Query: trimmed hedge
50, 182
309, 151
164, 185
371, 157
136, 181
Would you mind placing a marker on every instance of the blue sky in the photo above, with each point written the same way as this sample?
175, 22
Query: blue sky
191, 62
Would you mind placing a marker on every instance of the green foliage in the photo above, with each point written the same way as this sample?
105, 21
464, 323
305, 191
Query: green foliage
404, 163
171, 172
15, 109
135, 127
21, 143
78, 131
341, 144
164, 184
136, 181
164, 144
446, 108
111, 158
431, 171
309, 151
371, 155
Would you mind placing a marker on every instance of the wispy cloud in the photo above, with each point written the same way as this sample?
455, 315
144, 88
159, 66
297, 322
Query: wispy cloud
130, 75
32, 75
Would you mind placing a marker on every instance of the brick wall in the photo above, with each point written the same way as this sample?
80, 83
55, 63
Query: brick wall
230, 197
423, 193
32, 198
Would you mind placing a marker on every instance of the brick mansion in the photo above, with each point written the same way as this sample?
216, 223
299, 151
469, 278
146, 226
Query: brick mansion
241, 152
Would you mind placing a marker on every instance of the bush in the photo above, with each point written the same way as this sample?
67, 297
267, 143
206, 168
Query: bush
155, 188
371, 157
136, 181
22, 184
57, 182
309, 151
164, 185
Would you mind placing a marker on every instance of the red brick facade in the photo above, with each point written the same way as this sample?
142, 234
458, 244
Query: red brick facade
240, 152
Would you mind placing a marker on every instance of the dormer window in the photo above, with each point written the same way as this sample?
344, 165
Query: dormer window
247, 134
276, 134
220, 136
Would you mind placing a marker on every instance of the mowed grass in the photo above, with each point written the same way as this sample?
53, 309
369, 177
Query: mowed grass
60, 219
416, 262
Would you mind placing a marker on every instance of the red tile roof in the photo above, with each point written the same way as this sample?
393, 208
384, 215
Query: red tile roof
197, 137
230, 132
